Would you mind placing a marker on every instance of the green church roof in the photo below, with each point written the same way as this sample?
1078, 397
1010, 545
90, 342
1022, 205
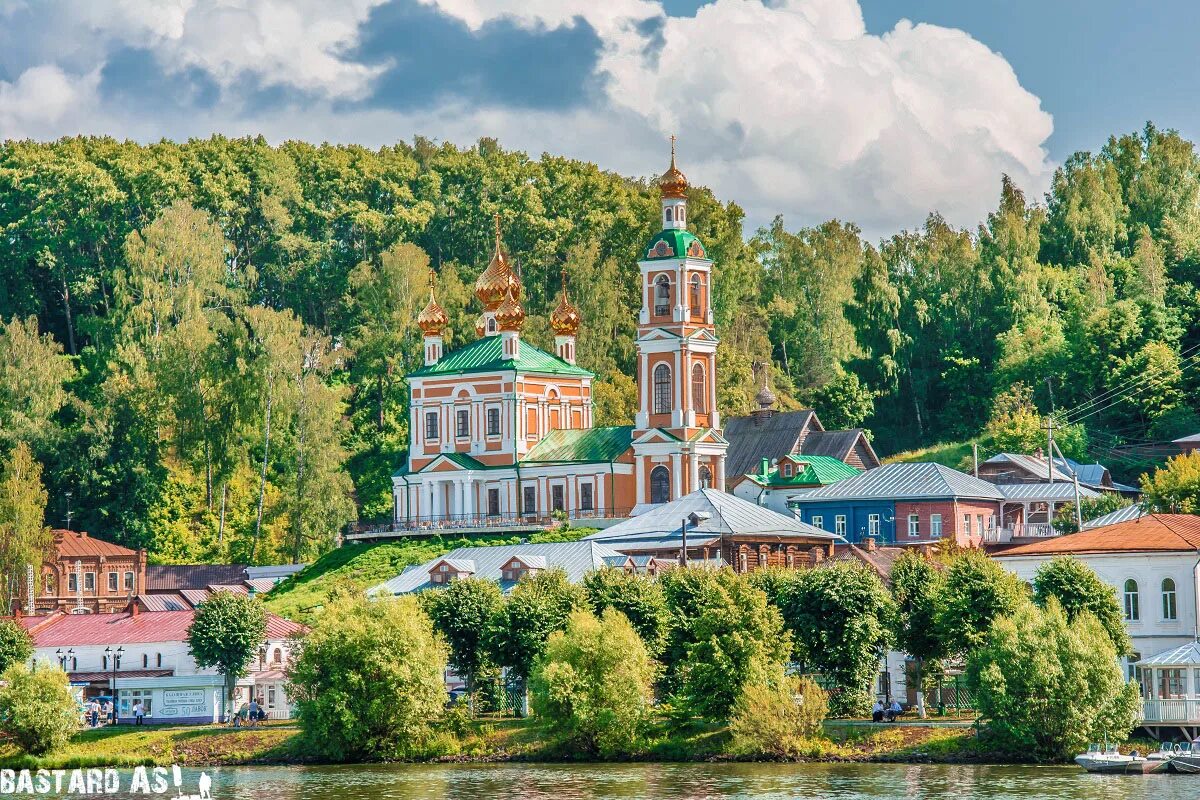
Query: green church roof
807, 471
675, 243
484, 355
582, 444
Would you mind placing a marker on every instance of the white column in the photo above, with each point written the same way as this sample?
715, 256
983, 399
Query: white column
719, 477
694, 471
468, 498
677, 394
676, 476
639, 475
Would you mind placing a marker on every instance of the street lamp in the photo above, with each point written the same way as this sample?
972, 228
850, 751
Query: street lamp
115, 661
68, 495
63, 658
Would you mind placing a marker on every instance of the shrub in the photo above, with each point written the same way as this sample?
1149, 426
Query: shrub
539, 605
1078, 589
16, 645
369, 681
37, 709
594, 684
639, 598
775, 719
1046, 687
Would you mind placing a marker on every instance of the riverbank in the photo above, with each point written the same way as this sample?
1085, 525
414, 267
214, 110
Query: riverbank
487, 741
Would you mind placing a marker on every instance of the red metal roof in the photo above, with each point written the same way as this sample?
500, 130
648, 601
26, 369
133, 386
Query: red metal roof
78, 630
77, 544
1152, 532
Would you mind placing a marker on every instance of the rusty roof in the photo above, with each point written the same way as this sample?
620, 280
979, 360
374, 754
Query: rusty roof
74, 630
77, 544
1150, 533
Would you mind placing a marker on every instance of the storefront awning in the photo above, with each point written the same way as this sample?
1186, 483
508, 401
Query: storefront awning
94, 677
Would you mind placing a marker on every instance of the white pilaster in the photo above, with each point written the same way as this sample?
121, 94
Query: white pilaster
676, 476
639, 475
719, 477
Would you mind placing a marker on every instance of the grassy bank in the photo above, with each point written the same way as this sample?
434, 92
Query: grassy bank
502, 740
955, 455
358, 567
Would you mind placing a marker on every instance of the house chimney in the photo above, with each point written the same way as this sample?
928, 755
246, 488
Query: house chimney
134, 609
870, 544
818, 555
927, 550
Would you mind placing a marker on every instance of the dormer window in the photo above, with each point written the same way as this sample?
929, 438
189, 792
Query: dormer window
787, 470
520, 566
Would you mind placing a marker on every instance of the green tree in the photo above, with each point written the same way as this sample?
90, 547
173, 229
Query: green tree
844, 402
639, 598
16, 645
594, 684
24, 538
775, 719
736, 638
1175, 487
916, 590
1046, 686
462, 613
33, 378
1016, 427
226, 633
975, 591
539, 605
841, 617
37, 710
369, 681
1078, 590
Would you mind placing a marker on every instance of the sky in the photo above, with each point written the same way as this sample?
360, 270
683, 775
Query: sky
872, 111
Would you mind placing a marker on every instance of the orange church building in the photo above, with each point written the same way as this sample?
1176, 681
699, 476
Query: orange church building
500, 429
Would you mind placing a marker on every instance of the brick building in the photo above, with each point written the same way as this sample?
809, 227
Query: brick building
88, 575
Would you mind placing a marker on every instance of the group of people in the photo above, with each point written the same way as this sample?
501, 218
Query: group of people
100, 711
251, 714
882, 713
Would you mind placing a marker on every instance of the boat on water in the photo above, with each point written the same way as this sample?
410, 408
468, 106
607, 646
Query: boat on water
1109, 760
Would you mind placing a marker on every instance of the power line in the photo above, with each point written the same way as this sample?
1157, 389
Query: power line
1158, 380
1190, 352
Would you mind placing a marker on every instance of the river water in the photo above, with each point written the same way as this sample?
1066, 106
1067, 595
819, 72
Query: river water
681, 782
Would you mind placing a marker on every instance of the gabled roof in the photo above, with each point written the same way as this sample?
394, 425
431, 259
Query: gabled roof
1044, 491
838, 444
1125, 514
456, 564
486, 355
575, 558
1030, 465
77, 544
1150, 533
906, 481
582, 444
807, 471
752, 439
70, 630
880, 560
658, 528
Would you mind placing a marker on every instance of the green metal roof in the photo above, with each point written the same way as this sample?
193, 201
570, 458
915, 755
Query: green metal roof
463, 460
586, 444
484, 355
678, 242
808, 471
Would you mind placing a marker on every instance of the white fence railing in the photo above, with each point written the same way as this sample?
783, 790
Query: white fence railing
1020, 530
1172, 710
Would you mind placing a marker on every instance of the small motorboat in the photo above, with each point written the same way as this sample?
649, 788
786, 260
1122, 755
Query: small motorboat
1110, 761
1184, 759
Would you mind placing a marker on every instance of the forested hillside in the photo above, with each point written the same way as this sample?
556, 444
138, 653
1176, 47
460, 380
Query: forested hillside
204, 344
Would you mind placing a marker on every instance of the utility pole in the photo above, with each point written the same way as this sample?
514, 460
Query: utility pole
975, 458
1050, 449
683, 549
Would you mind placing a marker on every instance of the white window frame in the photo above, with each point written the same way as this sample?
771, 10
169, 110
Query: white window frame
487, 422
1131, 605
935, 526
914, 525
818, 521
873, 524
839, 524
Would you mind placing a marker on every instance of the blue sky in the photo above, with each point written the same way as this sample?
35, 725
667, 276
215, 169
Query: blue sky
875, 111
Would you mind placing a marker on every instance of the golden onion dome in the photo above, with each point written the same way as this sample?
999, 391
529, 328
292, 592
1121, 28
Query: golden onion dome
481, 325
509, 314
673, 183
498, 281
432, 320
565, 319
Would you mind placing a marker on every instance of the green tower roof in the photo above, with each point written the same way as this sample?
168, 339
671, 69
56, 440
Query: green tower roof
486, 355
674, 243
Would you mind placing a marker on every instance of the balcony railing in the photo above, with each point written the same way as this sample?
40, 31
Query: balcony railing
1181, 710
486, 522
1020, 530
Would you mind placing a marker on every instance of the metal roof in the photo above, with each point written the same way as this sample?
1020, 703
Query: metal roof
582, 444
1044, 491
163, 602
74, 544
807, 471
487, 355
1032, 465
173, 577
575, 558
915, 481
274, 570
1185, 655
658, 528
838, 444
1120, 515
752, 439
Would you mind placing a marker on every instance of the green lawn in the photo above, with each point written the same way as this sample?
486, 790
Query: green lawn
956, 455
358, 567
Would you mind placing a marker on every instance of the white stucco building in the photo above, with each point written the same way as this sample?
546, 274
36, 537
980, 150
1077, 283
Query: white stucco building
1153, 565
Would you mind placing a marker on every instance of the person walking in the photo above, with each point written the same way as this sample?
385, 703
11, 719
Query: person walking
94, 713
253, 716
138, 712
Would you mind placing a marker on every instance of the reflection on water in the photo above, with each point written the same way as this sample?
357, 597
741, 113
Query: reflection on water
680, 782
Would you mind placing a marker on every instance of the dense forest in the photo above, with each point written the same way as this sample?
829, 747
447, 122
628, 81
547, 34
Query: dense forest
204, 344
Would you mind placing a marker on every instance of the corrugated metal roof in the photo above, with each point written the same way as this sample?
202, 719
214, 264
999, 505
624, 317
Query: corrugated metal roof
486, 355
173, 577
659, 527
1149, 533
1031, 465
575, 558
274, 570
75, 544
1043, 491
70, 630
808, 471
585, 444
915, 481
163, 602
1113, 517
837, 444
752, 439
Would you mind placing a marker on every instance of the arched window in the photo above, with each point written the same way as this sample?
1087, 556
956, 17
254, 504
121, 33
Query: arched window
705, 478
662, 296
491, 324
694, 294
698, 393
660, 485
667, 214
680, 214
662, 389
1170, 608
1132, 612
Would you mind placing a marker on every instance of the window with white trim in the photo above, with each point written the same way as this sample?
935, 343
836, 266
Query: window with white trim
839, 524
1132, 601
462, 428
493, 422
935, 526
872, 524
431, 426
914, 525
818, 522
